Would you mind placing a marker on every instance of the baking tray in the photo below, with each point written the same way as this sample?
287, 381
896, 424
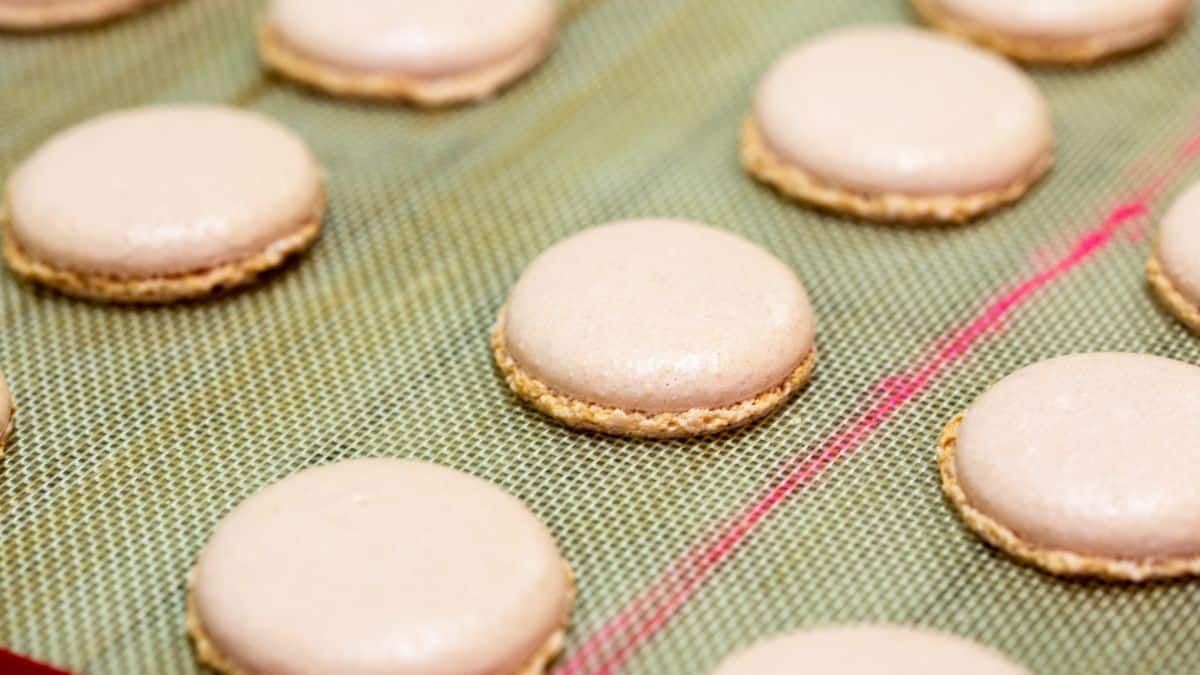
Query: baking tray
140, 427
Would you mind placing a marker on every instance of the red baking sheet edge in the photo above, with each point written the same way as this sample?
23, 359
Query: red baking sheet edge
15, 664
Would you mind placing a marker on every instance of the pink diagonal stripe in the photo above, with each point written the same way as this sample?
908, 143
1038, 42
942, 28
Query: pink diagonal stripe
611, 646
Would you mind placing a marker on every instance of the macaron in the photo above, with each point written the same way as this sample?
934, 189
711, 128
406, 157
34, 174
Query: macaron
46, 14
1084, 465
893, 123
1174, 266
869, 650
1057, 31
8, 413
428, 53
656, 328
162, 203
379, 566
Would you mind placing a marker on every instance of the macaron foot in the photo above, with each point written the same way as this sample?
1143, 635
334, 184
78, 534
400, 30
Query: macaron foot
795, 183
619, 422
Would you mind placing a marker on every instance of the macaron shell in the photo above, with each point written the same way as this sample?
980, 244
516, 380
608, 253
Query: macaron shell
846, 108
43, 14
1068, 18
155, 290
1187, 311
659, 316
1092, 454
412, 37
1059, 31
869, 650
792, 181
6, 413
472, 86
163, 190
381, 565
592, 417
1177, 246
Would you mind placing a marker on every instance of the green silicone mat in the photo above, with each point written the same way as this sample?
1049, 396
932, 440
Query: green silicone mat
140, 427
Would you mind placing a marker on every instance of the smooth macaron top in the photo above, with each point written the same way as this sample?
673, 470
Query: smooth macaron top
413, 37
381, 566
1177, 247
163, 190
869, 650
659, 316
1068, 18
1096, 454
889, 109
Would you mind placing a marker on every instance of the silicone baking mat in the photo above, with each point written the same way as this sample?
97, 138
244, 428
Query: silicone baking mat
139, 428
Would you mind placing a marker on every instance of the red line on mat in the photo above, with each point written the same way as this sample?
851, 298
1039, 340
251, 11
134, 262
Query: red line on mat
612, 645
15, 664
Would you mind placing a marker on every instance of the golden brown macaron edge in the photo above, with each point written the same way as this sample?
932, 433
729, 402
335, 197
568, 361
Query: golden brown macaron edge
159, 289
1180, 307
619, 422
208, 654
1055, 561
62, 15
6, 433
467, 87
1071, 52
795, 183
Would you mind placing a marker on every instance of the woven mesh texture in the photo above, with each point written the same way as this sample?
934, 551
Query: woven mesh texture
139, 428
